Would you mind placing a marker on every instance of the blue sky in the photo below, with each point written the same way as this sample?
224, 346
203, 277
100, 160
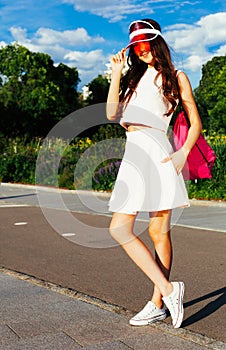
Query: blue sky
85, 33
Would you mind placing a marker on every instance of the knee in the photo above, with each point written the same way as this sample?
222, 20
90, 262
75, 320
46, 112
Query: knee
158, 235
114, 231
119, 233
154, 233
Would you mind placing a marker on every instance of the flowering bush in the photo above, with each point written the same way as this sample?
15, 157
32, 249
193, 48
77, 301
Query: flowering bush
104, 177
17, 160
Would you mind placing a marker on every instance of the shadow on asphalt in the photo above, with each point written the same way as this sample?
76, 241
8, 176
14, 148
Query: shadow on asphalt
21, 195
208, 309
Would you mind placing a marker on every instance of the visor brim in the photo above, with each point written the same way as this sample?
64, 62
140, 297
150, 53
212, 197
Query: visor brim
139, 39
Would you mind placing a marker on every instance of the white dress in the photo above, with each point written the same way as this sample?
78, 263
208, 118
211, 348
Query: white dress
143, 182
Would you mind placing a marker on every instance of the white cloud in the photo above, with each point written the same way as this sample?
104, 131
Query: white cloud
47, 36
57, 51
198, 42
55, 43
2, 44
221, 51
75, 37
60, 46
85, 59
194, 62
19, 34
89, 64
114, 10
209, 30
214, 28
117, 10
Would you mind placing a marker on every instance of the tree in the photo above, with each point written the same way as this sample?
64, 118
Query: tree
98, 88
34, 94
210, 95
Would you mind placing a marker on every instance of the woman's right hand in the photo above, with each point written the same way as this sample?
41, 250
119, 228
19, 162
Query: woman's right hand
118, 61
178, 159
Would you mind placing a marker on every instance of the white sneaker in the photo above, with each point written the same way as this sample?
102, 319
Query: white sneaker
174, 303
149, 314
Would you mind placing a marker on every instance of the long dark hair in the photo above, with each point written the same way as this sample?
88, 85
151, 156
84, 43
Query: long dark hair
162, 63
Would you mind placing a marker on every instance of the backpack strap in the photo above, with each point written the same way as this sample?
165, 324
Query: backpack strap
178, 71
196, 144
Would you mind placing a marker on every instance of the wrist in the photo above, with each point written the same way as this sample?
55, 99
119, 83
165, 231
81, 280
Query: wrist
117, 71
185, 150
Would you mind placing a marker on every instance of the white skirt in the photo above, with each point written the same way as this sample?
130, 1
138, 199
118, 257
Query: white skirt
143, 182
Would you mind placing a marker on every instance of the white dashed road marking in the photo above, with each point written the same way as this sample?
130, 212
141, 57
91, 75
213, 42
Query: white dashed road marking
20, 223
68, 234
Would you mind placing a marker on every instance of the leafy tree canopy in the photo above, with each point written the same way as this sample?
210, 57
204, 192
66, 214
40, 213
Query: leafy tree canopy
34, 94
210, 95
98, 88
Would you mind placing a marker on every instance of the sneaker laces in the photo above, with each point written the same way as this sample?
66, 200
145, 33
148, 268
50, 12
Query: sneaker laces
173, 303
147, 310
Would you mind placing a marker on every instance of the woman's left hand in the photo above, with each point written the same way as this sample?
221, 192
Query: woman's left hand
178, 158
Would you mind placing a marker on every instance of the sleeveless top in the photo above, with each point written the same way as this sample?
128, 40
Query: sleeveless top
147, 105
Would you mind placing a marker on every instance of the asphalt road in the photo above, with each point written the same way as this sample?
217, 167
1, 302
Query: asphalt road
73, 254
207, 215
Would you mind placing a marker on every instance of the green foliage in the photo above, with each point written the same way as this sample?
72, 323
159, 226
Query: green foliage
108, 131
98, 88
105, 175
214, 188
17, 160
34, 94
210, 95
67, 168
78, 165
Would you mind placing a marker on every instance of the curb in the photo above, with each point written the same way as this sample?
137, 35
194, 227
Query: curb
54, 189
193, 201
183, 333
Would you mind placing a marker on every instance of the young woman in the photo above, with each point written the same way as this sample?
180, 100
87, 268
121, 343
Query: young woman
149, 178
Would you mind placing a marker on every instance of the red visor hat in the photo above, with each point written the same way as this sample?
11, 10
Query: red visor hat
142, 31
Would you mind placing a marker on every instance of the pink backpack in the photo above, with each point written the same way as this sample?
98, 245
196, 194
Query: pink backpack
201, 158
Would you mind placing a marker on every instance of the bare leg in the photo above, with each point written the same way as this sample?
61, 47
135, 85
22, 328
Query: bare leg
121, 229
159, 231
